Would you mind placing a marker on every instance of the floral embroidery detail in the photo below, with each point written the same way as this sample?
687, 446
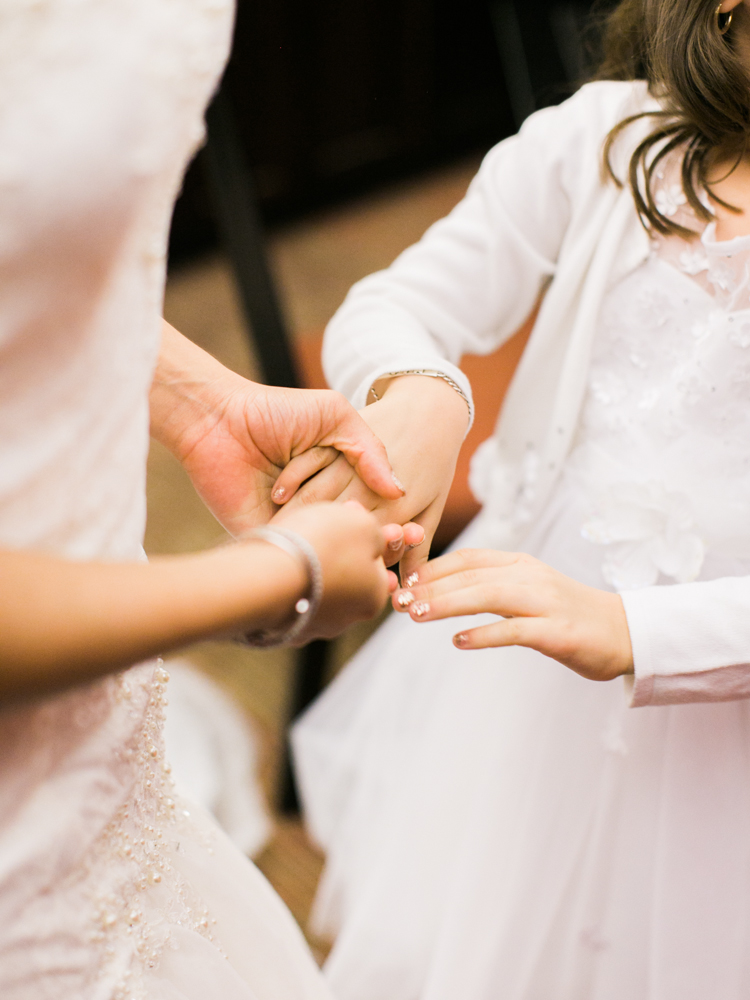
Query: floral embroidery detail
693, 261
669, 200
739, 331
647, 531
139, 893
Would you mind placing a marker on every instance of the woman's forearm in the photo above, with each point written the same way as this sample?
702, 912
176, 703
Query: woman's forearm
63, 623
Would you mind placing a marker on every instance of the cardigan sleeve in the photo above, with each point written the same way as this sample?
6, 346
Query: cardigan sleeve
474, 277
691, 642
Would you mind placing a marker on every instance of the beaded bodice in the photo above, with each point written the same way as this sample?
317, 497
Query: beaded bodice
662, 450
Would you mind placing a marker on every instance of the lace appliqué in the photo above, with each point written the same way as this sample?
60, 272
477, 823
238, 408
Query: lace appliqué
646, 531
660, 454
135, 892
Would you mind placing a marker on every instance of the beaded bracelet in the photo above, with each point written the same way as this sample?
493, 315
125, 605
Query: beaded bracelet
306, 607
432, 373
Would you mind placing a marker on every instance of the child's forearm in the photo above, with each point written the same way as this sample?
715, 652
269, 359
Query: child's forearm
63, 623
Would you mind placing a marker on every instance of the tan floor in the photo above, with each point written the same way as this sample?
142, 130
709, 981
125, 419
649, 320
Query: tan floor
314, 262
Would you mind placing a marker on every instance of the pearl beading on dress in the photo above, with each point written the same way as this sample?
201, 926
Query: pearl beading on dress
139, 894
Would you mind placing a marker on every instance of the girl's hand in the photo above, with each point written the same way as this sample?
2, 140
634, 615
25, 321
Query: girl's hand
582, 627
351, 546
422, 422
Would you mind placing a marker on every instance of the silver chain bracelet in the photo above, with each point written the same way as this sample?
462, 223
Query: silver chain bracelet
306, 607
431, 373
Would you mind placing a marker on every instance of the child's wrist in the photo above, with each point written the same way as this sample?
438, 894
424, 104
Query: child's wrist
425, 397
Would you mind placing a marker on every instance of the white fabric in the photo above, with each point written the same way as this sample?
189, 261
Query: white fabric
494, 825
214, 753
111, 887
537, 211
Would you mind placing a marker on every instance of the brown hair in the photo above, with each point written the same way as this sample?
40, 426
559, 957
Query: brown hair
700, 83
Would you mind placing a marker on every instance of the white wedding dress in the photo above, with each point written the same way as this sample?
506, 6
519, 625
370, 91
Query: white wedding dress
497, 827
111, 887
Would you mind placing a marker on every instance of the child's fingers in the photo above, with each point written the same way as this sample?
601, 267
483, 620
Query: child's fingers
461, 561
415, 558
509, 632
501, 590
494, 598
300, 469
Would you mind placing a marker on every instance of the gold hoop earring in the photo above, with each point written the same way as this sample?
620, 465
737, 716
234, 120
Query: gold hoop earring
723, 20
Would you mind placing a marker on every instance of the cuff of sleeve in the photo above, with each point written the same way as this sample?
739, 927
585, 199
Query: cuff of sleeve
691, 642
435, 364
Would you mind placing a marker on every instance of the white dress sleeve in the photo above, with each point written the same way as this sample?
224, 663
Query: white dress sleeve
475, 276
691, 642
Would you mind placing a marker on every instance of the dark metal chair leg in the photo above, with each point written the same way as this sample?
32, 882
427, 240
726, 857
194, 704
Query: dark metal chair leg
235, 205
233, 196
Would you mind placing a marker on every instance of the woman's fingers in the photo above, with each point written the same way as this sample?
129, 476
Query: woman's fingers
299, 470
363, 449
328, 484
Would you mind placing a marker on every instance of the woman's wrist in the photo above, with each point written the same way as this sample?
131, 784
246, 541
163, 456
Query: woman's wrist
65, 622
249, 586
188, 392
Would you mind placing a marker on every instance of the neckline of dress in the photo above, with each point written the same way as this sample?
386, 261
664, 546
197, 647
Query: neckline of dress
723, 248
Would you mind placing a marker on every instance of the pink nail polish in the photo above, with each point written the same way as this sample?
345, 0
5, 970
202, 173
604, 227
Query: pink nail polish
460, 639
411, 579
279, 494
420, 608
404, 599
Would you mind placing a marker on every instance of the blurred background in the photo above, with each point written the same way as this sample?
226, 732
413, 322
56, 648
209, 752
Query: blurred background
340, 133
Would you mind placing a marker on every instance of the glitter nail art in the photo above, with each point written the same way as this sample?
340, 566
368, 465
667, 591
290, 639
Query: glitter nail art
420, 608
411, 579
405, 599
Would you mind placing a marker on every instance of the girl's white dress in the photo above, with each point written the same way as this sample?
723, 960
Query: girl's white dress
497, 827
111, 888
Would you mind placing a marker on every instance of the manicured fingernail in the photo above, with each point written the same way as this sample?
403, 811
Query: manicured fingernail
420, 608
279, 494
396, 544
397, 481
460, 639
405, 598
411, 579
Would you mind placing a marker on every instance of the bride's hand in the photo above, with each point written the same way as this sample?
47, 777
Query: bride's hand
582, 627
422, 422
233, 436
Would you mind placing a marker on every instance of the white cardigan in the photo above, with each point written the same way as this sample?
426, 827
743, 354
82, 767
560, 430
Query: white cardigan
539, 214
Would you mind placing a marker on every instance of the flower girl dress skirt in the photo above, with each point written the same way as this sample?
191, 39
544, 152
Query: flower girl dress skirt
499, 828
